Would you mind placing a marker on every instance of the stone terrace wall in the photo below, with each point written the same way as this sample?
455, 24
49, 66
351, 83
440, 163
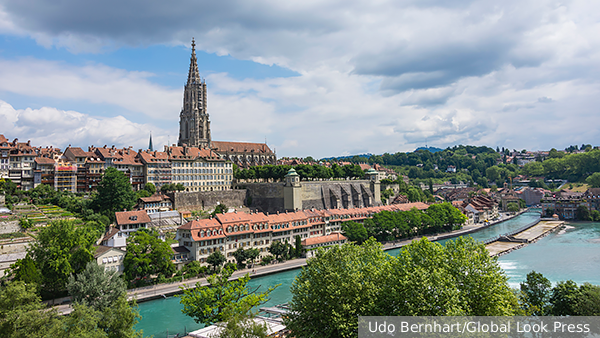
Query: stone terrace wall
207, 200
323, 194
266, 197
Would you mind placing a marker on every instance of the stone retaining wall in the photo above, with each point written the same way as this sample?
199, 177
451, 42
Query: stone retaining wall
206, 200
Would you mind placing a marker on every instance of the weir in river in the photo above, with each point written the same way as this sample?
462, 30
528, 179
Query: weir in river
569, 254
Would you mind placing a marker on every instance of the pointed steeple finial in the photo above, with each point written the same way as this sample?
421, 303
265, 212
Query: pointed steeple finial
150, 147
194, 74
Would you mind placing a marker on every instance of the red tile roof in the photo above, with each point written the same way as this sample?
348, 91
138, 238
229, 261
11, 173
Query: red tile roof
132, 217
240, 147
191, 153
334, 237
211, 227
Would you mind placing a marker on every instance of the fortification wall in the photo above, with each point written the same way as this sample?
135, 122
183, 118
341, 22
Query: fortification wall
205, 200
269, 197
266, 197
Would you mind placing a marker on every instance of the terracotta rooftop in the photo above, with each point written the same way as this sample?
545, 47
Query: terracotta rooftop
191, 153
132, 217
240, 147
44, 160
76, 151
336, 236
155, 198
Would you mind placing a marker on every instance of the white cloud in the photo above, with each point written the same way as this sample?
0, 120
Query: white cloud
94, 83
50, 126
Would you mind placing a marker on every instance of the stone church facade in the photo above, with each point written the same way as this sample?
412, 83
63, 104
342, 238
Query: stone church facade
194, 126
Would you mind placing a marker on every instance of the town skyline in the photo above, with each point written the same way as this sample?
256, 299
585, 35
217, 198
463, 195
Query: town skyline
516, 75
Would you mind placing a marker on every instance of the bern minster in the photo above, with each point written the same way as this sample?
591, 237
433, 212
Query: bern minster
194, 126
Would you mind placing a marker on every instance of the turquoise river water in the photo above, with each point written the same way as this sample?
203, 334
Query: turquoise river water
573, 253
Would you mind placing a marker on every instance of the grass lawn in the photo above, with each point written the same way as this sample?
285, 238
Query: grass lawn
577, 187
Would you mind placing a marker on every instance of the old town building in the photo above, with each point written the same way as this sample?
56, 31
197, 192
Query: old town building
230, 231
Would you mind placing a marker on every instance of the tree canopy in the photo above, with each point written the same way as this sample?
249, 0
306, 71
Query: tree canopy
62, 248
426, 278
114, 193
147, 255
222, 299
95, 287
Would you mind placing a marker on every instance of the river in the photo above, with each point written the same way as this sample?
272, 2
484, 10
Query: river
573, 253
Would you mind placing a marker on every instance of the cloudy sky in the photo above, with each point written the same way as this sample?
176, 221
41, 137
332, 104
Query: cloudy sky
319, 78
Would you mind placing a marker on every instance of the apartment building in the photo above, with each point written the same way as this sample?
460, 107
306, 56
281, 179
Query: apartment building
124, 160
230, 231
199, 169
4, 156
22, 164
157, 168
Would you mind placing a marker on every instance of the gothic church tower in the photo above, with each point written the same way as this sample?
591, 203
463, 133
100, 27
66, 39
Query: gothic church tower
194, 126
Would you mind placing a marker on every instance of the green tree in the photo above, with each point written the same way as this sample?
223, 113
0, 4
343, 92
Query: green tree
242, 326
536, 290
298, 249
114, 193
219, 209
216, 259
533, 169
492, 173
336, 287
222, 298
512, 207
240, 257
278, 249
564, 299
252, 254
355, 232
595, 215
21, 312
25, 270
95, 287
460, 278
583, 213
150, 187
62, 248
594, 180
345, 282
588, 303
147, 255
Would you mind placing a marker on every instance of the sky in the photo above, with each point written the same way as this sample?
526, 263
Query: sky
312, 78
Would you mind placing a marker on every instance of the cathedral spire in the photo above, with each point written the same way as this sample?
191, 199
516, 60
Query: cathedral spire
150, 147
194, 74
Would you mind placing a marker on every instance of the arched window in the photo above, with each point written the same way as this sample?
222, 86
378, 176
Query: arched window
202, 233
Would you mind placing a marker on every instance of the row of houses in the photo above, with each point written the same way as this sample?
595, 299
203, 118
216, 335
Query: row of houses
230, 231
227, 232
77, 170
565, 203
